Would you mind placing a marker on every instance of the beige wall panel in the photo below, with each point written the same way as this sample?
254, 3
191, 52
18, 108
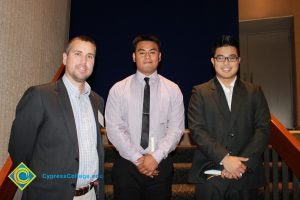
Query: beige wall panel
33, 34
255, 9
296, 13
252, 9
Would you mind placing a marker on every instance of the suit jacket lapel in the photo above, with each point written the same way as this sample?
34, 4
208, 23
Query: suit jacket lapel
220, 99
95, 110
96, 107
66, 107
238, 96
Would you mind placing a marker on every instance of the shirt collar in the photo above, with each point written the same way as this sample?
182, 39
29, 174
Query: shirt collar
231, 85
140, 76
73, 90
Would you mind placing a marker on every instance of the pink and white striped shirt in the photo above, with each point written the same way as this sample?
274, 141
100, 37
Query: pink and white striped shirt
123, 116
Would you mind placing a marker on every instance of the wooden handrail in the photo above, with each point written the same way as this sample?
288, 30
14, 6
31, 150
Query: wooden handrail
286, 145
7, 187
59, 73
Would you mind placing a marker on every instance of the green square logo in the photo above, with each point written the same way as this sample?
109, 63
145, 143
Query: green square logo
22, 176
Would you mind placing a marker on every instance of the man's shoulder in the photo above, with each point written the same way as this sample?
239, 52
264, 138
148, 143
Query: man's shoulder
205, 86
42, 88
167, 82
122, 83
248, 87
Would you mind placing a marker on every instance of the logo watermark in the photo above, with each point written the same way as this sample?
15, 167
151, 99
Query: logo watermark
22, 176
71, 176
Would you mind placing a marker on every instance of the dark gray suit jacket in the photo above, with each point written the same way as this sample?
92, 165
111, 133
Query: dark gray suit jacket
217, 131
44, 137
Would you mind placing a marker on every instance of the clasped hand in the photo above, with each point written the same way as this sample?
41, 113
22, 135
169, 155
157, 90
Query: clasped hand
147, 165
234, 167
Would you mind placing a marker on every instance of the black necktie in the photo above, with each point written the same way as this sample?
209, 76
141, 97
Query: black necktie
146, 115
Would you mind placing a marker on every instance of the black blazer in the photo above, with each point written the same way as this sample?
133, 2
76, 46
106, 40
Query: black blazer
217, 131
44, 137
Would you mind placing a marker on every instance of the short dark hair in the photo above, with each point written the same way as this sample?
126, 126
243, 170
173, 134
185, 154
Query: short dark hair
223, 41
141, 38
84, 38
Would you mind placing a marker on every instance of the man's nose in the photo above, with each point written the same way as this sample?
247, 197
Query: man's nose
147, 55
83, 59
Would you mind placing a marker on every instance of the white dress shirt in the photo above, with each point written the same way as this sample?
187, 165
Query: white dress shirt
124, 110
228, 91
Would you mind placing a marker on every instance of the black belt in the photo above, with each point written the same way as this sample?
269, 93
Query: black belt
84, 190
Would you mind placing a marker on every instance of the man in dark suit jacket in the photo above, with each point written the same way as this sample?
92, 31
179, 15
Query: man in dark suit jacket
229, 121
56, 132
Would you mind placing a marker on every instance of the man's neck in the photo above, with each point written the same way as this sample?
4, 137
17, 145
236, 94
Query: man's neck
226, 82
79, 85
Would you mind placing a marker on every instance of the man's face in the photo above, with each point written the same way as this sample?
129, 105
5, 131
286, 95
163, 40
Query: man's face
79, 61
147, 57
226, 70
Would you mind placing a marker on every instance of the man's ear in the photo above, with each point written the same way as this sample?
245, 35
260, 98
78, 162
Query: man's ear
212, 60
65, 57
133, 57
159, 57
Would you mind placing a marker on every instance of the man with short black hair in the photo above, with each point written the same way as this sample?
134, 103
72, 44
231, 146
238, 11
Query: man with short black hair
144, 121
229, 121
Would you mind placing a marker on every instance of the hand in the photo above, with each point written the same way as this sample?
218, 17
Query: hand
226, 174
147, 165
234, 165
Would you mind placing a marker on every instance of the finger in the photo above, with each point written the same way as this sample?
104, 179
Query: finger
149, 173
236, 177
242, 170
142, 169
140, 160
155, 172
243, 158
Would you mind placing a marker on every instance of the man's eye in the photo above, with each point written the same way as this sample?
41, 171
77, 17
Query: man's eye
90, 56
232, 58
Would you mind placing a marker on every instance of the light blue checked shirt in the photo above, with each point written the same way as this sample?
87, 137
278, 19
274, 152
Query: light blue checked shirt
86, 133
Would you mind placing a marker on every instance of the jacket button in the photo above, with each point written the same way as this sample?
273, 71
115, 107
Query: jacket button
77, 159
73, 185
231, 134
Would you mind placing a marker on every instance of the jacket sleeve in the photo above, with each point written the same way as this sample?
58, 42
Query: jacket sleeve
25, 127
259, 141
199, 133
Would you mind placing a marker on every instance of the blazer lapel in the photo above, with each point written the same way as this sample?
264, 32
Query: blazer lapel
95, 110
66, 107
238, 96
220, 99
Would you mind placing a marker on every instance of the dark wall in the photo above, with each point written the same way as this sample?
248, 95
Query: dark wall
187, 30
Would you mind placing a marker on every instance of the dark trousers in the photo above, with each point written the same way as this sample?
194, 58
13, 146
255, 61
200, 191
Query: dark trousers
129, 183
217, 188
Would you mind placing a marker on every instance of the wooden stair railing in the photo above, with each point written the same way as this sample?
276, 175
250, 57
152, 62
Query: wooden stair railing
281, 140
281, 160
7, 187
286, 145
